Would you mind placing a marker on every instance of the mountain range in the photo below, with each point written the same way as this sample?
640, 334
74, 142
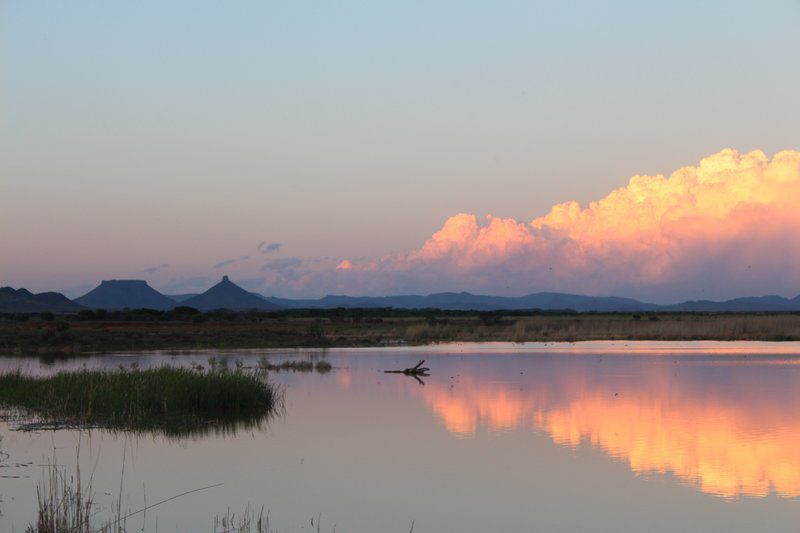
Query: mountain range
464, 301
24, 301
135, 294
542, 300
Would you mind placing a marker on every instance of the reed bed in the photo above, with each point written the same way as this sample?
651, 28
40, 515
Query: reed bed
256, 521
169, 400
65, 504
250, 521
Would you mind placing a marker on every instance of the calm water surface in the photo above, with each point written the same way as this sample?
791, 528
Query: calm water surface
501, 437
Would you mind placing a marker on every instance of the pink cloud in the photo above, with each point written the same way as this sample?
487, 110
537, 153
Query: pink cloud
729, 226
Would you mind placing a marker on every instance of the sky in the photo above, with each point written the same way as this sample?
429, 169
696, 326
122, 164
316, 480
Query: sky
307, 148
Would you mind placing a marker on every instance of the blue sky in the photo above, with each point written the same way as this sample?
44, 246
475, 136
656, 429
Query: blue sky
136, 134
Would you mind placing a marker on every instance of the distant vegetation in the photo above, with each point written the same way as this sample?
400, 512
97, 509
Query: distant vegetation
664, 327
187, 328
172, 401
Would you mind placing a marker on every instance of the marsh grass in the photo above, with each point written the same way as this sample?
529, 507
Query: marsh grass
586, 327
65, 504
40, 338
265, 365
323, 367
660, 327
174, 401
249, 521
62, 506
252, 521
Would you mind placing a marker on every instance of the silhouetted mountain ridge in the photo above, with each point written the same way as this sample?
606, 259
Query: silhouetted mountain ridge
750, 303
125, 294
466, 301
228, 295
137, 294
180, 297
24, 301
542, 300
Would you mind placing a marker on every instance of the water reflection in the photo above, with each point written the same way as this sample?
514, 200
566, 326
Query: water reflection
229, 427
500, 438
710, 425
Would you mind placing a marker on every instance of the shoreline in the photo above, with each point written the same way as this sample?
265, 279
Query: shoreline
252, 331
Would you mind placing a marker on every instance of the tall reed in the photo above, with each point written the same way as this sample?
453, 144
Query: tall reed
169, 400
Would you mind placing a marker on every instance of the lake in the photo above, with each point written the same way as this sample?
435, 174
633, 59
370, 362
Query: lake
595, 436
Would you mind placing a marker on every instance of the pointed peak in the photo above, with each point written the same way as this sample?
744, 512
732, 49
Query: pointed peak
228, 295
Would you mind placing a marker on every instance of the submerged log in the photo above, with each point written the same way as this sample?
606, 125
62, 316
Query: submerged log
416, 370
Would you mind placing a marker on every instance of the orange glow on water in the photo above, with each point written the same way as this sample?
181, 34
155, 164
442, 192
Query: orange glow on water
344, 378
721, 450
492, 406
657, 426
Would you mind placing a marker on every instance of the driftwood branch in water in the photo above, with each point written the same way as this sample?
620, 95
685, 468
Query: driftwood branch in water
416, 370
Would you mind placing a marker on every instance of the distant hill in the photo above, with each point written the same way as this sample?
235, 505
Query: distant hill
759, 303
548, 301
228, 295
464, 301
125, 293
24, 301
178, 298
136, 294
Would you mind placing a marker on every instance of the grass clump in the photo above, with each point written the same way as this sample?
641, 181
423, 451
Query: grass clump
265, 365
323, 367
169, 400
65, 505
248, 522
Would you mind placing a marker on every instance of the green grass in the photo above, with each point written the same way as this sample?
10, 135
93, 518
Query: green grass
170, 400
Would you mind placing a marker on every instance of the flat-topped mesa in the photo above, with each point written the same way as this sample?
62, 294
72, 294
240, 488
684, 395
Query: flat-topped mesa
138, 283
125, 293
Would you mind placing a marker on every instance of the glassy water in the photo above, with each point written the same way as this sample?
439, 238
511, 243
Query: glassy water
501, 437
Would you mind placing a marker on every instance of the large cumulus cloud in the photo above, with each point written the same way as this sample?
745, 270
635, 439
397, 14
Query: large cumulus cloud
729, 226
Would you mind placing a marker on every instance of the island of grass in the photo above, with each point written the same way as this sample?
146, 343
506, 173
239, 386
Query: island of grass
173, 401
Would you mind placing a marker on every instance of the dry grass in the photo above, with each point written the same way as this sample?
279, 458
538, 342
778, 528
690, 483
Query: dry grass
572, 328
249, 521
38, 338
65, 505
